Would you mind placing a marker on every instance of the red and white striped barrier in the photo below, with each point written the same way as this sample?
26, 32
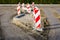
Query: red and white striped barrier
23, 6
37, 19
18, 9
32, 5
28, 8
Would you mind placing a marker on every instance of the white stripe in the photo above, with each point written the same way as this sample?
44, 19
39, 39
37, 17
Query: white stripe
28, 10
18, 7
37, 14
39, 22
25, 8
28, 5
18, 12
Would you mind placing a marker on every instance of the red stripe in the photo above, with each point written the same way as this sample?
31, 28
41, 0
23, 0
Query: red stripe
28, 10
37, 18
38, 26
34, 8
19, 9
28, 7
35, 11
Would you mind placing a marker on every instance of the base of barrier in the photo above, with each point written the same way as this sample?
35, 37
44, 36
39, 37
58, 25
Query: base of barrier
20, 15
38, 29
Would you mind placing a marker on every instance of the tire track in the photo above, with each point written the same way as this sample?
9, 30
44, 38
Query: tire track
57, 10
53, 34
1, 36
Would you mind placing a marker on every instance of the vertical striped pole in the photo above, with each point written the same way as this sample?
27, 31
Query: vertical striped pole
18, 9
28, 8
32, 5
22, 7
37, 19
